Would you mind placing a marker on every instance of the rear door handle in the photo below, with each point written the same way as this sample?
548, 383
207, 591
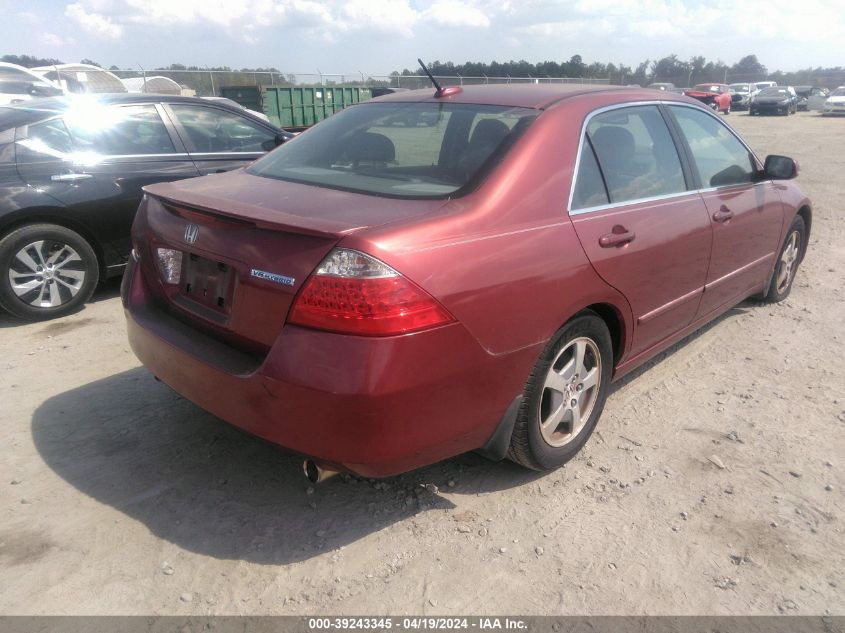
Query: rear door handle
723, 215
70, 177
619, 236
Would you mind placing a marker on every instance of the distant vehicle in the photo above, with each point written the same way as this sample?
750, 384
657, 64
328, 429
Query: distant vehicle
235, 104
811, 97
740, 95
19, 84
835, 103
71, 172
670, 87
380, 91
760, 85
777, 100
716, 96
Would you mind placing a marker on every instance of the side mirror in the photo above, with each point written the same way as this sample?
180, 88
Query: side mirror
780, 167
280, 138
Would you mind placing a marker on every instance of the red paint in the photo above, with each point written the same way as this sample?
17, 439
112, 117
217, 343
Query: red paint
506, 262
719, 100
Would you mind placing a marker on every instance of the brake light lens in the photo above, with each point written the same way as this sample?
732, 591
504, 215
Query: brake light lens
353, 293
170, 264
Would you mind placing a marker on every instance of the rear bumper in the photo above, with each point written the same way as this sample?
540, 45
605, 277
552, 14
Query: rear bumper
371, 406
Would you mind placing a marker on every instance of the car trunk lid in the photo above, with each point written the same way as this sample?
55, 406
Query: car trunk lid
248, 244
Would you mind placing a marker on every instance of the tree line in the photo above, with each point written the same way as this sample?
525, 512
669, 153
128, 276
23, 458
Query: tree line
666, 69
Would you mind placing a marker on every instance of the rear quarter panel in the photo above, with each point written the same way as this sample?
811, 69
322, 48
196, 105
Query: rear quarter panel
505, 260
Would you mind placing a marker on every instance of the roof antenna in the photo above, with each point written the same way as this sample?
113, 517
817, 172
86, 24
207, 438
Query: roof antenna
440, 92
430, 76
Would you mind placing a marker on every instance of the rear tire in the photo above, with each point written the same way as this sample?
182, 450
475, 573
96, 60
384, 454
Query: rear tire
564, 396
46, 271
789, 258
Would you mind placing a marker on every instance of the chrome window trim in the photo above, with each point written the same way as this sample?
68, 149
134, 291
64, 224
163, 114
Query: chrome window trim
614, 205
633, 104
168, 155
223, 154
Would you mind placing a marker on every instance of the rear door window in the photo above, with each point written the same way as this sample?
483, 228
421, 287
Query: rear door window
636, 153
589, 184
118, 130
47, 141
212, 130
719, 156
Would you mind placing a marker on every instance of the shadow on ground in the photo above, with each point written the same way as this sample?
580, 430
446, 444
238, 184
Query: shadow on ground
109, 289
133, 444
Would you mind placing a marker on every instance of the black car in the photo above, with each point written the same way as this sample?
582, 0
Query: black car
71, 172
774, 100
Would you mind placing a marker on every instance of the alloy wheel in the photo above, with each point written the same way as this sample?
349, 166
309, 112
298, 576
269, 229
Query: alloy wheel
570, 391
46, 273
788, 259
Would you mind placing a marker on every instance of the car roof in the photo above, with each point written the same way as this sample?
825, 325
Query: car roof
33, 110
539, 96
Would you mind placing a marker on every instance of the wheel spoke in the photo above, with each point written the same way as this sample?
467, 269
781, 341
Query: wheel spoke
79, 275
73, 256
55, 256
576, 419
26, 286
39, 298
591, 379
550, 424
73, 289
26, 259
55, 297
580, 352
39, 250
557, 381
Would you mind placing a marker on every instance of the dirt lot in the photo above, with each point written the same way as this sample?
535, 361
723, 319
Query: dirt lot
714, 484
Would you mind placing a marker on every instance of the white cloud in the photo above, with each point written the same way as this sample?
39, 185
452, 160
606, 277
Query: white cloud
51, 39
369, 31
456, 14
94, 23
221, 12
386, 16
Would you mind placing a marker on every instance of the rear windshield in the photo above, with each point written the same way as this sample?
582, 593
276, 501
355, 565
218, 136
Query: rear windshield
402, 150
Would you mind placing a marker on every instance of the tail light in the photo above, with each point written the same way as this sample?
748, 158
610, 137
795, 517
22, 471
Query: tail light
170, 264
353, 293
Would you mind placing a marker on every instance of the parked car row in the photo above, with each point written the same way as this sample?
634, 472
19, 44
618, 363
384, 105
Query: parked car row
758, 98
71, 173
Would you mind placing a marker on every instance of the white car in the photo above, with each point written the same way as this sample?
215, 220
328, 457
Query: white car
18, 84
235, 104
835, 103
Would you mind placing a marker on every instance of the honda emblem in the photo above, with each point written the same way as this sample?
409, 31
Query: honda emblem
192, 231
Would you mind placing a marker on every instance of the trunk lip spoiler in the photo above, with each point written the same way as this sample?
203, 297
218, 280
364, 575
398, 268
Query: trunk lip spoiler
284, 223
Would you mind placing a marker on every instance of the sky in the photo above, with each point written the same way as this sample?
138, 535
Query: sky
379, 36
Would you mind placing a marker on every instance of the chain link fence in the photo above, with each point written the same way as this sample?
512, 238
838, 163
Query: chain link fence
209, 82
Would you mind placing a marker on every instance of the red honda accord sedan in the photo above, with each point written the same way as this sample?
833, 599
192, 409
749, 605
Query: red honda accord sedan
426, 274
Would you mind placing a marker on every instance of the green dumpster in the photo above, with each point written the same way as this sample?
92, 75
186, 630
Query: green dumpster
300, 107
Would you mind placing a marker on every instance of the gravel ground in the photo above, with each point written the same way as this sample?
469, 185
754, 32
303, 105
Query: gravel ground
713, 485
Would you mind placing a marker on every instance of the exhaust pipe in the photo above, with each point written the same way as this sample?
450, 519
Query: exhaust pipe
316, 473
